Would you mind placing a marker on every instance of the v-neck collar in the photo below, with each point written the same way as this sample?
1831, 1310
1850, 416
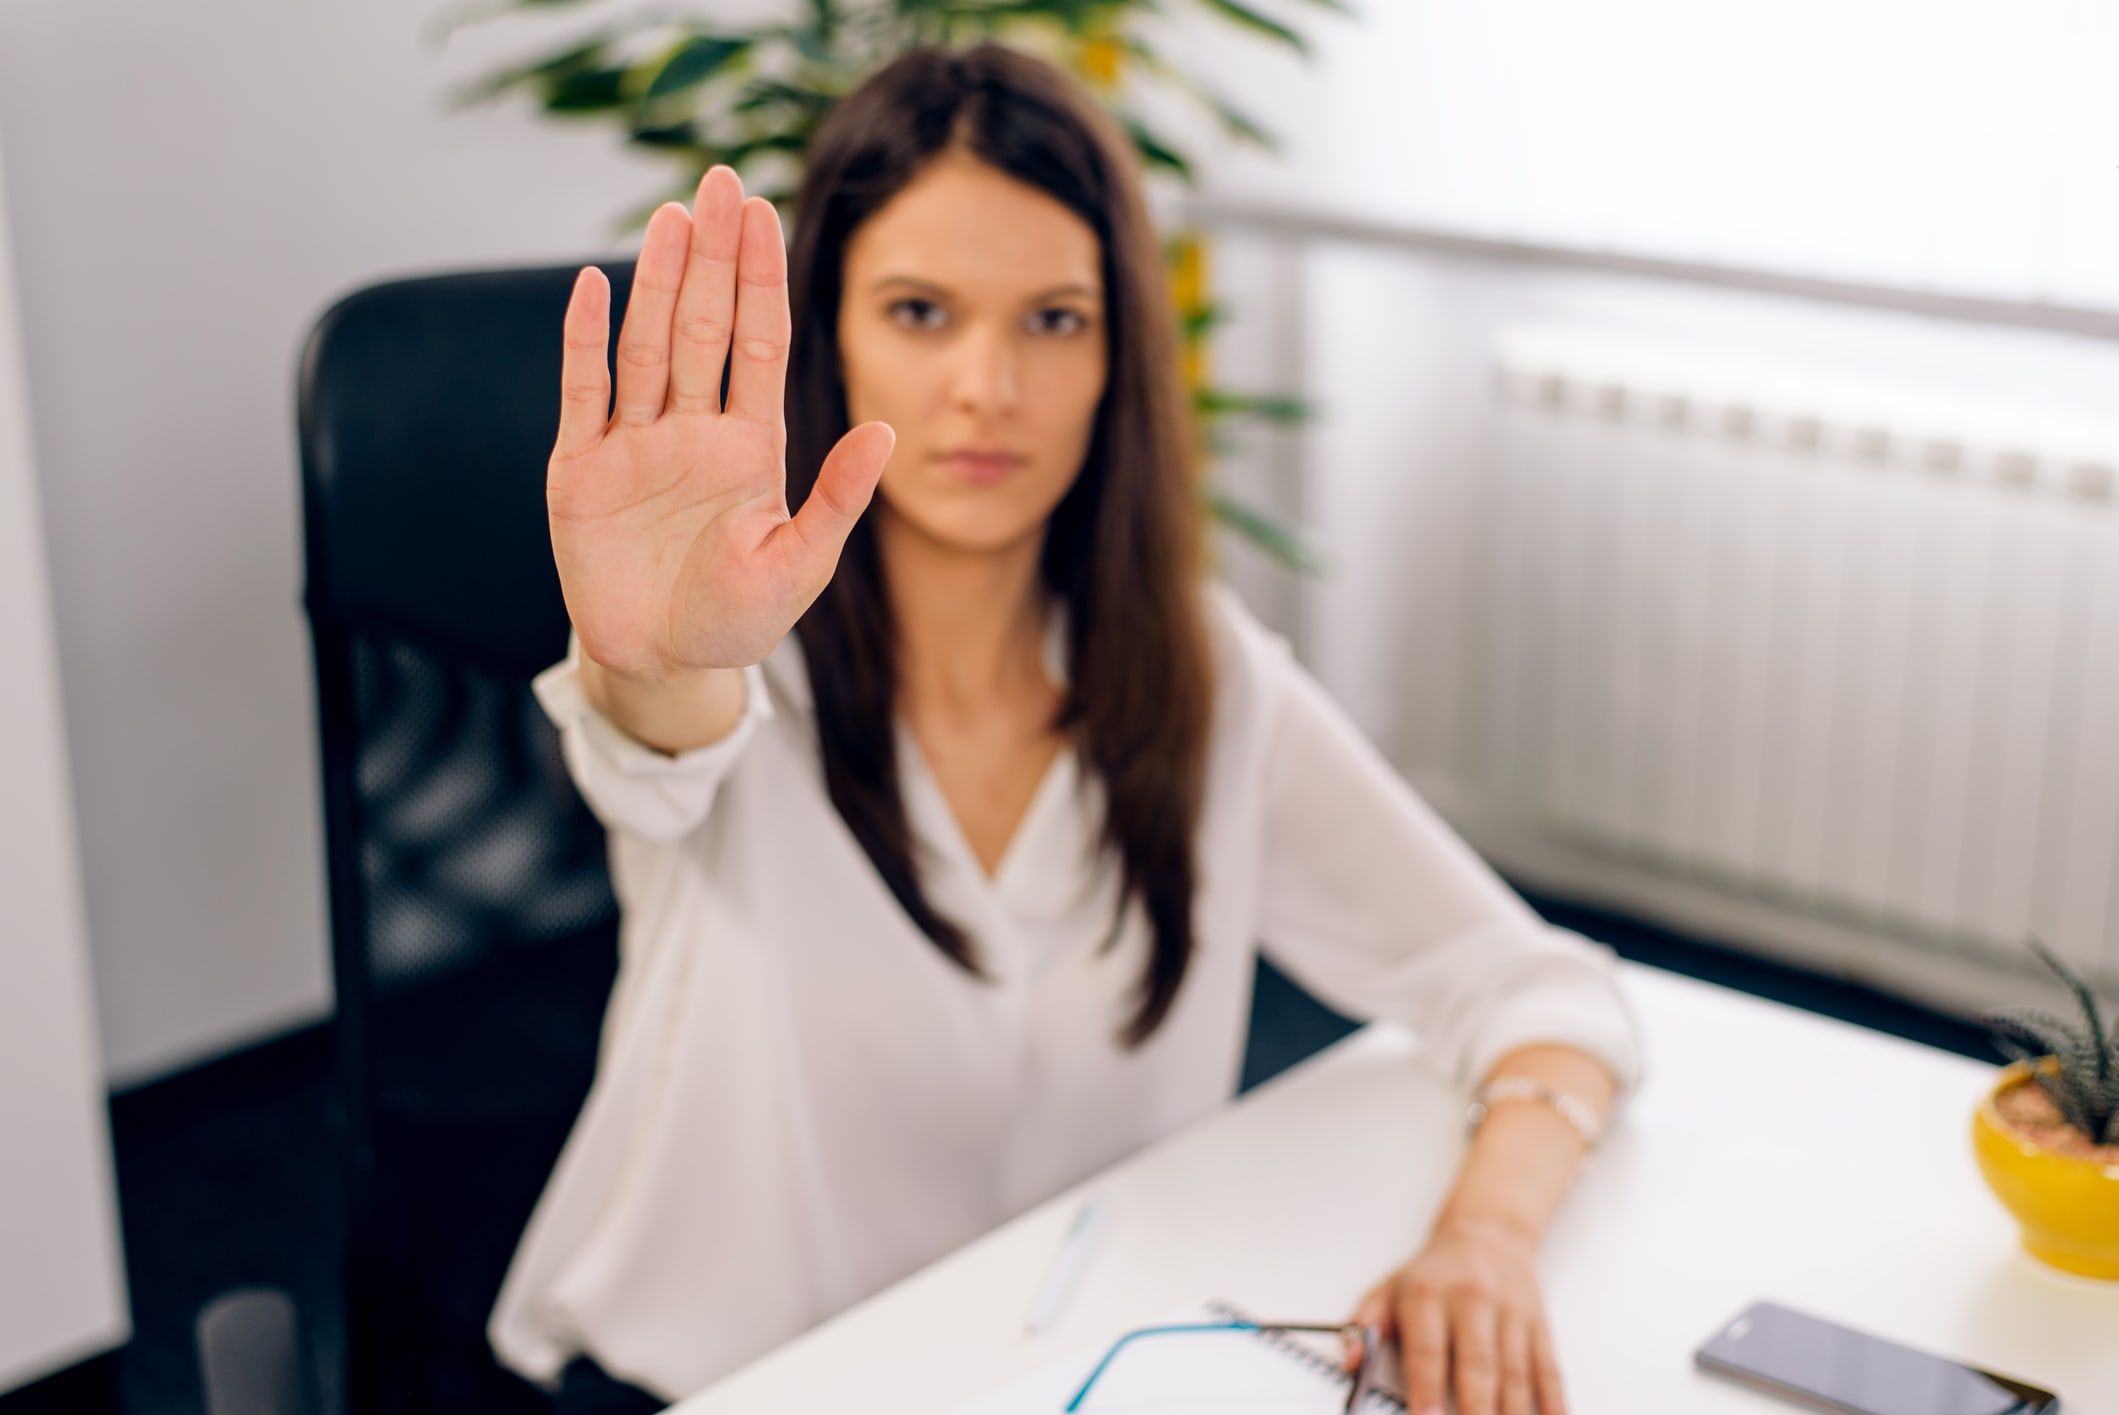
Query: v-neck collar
915, 772
787, 675
1060, 771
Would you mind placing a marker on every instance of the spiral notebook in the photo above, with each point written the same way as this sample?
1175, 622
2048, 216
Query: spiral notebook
1240, 1372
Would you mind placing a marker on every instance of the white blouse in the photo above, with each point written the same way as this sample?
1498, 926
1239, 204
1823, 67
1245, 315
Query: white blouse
799, 1099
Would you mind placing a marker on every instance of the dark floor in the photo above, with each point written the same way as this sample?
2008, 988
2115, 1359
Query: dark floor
225, 1175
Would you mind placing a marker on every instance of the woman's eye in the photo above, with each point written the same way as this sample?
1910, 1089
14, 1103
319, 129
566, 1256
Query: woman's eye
915, 304
1072, 320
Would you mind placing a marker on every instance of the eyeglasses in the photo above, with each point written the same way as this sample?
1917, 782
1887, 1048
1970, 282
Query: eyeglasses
1368, 1336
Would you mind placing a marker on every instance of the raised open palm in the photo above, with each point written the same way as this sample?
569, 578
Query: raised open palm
669, 516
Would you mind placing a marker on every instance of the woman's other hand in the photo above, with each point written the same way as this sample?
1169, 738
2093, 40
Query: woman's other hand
1469, 1320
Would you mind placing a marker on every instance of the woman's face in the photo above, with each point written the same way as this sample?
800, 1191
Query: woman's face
972, 321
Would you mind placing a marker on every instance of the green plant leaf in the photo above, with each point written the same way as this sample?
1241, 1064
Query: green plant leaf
1196, 323
813, 47
2090, 1072
1153, 150
1234, 120
795, 140
1252, 20
692, 63
764, 93
1238, 123
684, 137
2031, 1035
2078, 985
1284, 545
1073, 16
470, 14
584, 54
2065, 1100
2078, 1073
1273, 407
593, 90
2031, 1030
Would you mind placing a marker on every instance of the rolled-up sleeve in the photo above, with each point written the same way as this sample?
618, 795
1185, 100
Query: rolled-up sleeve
1373, 903
629, 785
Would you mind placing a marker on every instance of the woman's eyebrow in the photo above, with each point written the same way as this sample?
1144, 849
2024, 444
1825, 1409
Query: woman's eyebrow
1073, 289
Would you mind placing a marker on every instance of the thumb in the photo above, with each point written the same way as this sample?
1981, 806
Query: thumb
1375, 1311
845, 484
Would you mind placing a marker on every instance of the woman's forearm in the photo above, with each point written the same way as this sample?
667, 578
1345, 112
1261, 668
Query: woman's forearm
1523, 1160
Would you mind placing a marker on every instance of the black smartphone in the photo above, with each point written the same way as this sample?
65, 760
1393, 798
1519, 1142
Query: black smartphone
1821, 1364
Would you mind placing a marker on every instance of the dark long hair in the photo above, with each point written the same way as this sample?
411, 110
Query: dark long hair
1122, 547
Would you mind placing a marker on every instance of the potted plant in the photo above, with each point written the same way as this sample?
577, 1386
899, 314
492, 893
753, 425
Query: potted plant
2047, 1133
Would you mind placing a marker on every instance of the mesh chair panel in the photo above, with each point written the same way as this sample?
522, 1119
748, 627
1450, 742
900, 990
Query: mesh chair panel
473, 837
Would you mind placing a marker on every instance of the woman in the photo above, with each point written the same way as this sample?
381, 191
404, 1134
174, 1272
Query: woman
950, 898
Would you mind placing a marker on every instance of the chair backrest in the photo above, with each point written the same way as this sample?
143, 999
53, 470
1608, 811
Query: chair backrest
472, 921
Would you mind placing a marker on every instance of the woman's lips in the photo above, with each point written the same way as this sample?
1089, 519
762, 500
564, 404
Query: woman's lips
983, 470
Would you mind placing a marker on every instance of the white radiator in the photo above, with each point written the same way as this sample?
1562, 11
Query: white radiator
1845, 650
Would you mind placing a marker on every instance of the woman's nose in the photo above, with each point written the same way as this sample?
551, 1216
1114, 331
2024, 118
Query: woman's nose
985, 373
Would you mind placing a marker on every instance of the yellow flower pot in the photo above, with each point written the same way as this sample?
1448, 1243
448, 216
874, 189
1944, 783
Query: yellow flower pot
2068, 1205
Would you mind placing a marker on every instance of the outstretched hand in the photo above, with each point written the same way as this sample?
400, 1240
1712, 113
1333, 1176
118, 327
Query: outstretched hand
669, 518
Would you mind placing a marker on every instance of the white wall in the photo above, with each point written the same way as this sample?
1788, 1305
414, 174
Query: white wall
1954, 145
193, 185
62, 1293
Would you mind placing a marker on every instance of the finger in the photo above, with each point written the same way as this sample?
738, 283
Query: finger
845, 484
757, 375
584, 375
1373, 1311
1513, 1346
1474, 1349
1545, 1372
706, 301
644, 342
1423, 1352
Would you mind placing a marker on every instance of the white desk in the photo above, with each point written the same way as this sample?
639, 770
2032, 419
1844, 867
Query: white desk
1770, 1153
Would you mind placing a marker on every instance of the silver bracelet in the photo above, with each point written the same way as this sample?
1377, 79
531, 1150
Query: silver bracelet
1573, 1109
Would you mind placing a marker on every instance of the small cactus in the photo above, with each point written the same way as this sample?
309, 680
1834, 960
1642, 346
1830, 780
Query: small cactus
2084, 1077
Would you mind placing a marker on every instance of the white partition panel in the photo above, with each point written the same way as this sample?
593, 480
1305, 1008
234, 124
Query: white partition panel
62, 1292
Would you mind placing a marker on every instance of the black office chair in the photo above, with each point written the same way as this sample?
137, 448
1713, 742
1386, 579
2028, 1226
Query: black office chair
472, 922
